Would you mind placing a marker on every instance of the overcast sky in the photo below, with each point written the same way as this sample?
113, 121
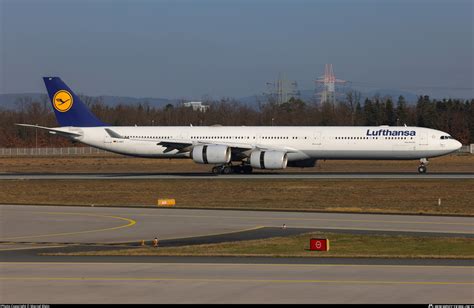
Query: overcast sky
178, 48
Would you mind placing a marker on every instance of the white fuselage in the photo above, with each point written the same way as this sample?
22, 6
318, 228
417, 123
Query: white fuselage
300, 142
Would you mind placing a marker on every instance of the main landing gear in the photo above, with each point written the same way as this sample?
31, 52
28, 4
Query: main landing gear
229, 169
422, 166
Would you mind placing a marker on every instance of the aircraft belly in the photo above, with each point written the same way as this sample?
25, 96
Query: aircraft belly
396, 152
295, 156
138, 148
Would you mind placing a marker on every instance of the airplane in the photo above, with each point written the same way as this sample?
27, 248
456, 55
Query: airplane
240, 149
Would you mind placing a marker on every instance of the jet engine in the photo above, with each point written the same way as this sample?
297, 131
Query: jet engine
211, 154
268, 159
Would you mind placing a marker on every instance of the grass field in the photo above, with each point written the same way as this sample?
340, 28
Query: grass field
376, 196
341, 245
373, 196
389, 196
116, 163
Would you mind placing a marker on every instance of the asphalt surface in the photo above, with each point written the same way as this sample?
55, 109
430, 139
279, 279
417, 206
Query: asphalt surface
27, 277
263, 176
233, 283
75, 224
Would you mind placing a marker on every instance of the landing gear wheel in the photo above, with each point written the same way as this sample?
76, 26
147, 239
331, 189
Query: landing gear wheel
227, 170
422, 169
247, 169
237, 169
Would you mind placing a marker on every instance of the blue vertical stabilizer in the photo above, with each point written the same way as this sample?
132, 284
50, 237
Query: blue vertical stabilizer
68, 107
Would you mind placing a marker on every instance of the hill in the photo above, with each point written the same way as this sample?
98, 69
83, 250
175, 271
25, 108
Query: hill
13, 100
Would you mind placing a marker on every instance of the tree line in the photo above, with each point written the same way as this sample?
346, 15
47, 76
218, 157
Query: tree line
450, 115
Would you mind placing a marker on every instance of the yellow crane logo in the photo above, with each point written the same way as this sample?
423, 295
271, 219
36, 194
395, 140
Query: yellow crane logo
62, 101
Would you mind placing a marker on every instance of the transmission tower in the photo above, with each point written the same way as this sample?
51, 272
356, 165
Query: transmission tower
328, 83
281, 90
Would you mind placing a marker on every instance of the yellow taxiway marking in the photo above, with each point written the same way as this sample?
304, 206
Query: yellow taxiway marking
328, 219
130, 223
304, 219
218, 280
177, 238
311, 219
31, 248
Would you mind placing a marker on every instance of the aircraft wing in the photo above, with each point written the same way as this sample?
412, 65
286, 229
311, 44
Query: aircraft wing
276, 148
181, 146
237, 148
186, 146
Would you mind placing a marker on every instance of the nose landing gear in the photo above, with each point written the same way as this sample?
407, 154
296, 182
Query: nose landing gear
422, 167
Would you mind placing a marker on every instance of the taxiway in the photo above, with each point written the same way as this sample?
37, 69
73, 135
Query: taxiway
31, 278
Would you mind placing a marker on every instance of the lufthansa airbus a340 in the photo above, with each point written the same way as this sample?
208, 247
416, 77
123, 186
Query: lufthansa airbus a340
239, 149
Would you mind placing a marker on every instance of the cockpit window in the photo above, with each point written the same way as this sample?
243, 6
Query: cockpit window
446, 137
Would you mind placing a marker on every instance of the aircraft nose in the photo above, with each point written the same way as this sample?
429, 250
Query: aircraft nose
457, 144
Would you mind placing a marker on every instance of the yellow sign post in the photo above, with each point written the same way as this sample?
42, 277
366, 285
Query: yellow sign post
166, 202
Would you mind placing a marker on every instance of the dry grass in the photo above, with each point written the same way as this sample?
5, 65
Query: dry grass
116, 163
389, 196
341, 245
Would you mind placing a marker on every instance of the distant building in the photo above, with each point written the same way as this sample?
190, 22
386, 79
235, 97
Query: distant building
197, 106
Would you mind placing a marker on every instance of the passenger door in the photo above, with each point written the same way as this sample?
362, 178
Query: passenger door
317, 138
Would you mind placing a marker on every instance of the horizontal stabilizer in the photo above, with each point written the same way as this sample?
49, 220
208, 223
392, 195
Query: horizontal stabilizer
55, 131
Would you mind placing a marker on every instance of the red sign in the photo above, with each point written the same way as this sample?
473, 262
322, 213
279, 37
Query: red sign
319, 244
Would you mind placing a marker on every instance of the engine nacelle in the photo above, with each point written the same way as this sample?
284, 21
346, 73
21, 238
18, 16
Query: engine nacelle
268, 159
211, 154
